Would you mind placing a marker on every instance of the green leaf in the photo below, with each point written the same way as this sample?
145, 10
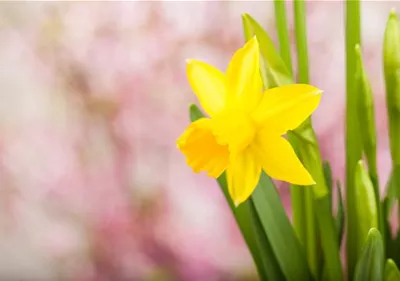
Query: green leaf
370, 265
271, 268
396, 180
394, 248
329, 241
328, 179
195, 113
387, 206
339, 219
303, 138
279, 231
391, 271
391, 189
365, 208
353, 142
274, 65
391, 58
328, 175
392, 243
303, 210
311, 158
249, 224
339, 226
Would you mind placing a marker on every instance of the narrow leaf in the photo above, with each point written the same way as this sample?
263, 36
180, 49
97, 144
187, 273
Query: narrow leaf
340, 215
329, 241
274, 63
279, 231
339, 226
195, 113
394, 250
387, 206
328, 179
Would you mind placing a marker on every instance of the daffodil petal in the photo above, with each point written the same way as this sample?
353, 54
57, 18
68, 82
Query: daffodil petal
279, 160
244, 78
285, 108
243, 175
201, 149
235, 129
209, 85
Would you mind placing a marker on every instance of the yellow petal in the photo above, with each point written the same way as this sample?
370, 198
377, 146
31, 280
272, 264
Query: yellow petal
201, 149
244, 78
243, 175
235, 129
279, 160
209, 84
285, 108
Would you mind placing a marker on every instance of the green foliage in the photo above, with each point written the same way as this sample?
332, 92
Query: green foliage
371, 261
308, 248
391, 271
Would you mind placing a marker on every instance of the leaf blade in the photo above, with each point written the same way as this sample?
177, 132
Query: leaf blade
279, 231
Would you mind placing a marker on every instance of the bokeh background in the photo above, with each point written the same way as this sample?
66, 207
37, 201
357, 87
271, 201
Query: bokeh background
93, 97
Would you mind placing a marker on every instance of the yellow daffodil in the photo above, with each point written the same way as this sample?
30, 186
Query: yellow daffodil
244, 132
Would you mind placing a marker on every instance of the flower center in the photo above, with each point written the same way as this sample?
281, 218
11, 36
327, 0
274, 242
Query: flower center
235, 129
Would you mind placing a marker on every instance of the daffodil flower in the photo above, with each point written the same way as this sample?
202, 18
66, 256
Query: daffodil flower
243, 135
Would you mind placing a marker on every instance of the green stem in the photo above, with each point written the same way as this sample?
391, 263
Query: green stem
296, 192
353, 144
301, 41
312, 242
283, 34
303, 76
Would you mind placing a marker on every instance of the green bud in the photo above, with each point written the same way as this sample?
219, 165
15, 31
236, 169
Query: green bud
370, 265
391, 271
391, 58
366, 113
365, 205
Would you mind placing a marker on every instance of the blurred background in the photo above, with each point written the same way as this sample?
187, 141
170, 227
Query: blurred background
93, 97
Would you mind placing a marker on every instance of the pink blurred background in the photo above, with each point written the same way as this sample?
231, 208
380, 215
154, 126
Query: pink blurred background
93, 97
